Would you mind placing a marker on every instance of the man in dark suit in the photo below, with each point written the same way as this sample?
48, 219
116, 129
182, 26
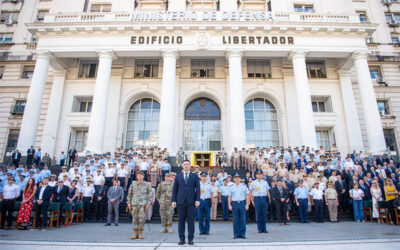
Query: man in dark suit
71, 154
43, 195
186, 197
16, 156
366, 190
279, 196
29, 156
340, 187
99, 200
61, 193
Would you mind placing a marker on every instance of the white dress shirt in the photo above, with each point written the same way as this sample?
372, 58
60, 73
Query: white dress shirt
41, 192
87, 191
11, 191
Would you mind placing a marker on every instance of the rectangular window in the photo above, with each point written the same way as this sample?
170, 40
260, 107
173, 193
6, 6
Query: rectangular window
258, 68
390, 139
375, 72
1, 72
12, 140
18, 108
316, 69
304, 8
100, 8
80, 139
6, 37
146, 68
8, 17
323, 138
203, 68
27, 73
41, 14
395, 40
82, 104
321, 104
383, 107
392, 18
362, 15
87, 69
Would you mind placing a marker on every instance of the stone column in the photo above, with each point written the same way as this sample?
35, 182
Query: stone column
304, 108
30, 120
99, 108
53, 113
373, 124
350, 112
168, 97
237, 131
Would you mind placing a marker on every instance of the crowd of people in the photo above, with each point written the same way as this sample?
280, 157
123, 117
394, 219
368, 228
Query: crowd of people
278, 183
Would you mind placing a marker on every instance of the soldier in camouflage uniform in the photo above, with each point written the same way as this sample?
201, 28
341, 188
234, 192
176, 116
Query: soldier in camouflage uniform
164, 197
139, 200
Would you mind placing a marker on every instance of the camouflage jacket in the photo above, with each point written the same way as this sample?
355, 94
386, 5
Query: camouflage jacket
164, 192
139, 194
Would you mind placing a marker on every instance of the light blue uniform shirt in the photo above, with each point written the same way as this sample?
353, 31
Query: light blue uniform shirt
259, 188
165, 166
45, 173
205, 191
238, 193
301, 192
224, 190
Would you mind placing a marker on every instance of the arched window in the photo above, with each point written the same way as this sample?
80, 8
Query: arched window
142, 126
261, 123
202, 128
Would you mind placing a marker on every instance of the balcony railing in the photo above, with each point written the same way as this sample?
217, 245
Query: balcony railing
125, 16
17, 110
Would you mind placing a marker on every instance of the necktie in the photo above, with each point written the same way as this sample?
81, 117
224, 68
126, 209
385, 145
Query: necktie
280, 191
59, 189
115, 188
186, 178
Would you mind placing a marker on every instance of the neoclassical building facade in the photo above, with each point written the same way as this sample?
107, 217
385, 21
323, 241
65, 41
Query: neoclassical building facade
203, 75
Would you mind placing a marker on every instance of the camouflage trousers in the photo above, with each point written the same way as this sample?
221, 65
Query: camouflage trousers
166, 213
138, 217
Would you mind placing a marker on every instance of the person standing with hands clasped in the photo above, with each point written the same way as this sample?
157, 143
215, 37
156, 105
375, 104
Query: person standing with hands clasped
302, 201
139, 200
259, 192
357, 195
186, 197
206, 192
239, 202
115, 195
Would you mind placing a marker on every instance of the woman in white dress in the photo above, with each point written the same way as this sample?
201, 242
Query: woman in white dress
376, 196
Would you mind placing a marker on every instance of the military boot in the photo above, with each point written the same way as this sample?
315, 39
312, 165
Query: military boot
140, 236
169, 230
135, 235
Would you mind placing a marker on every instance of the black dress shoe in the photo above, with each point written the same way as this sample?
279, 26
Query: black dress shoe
107, 224
116, 224
191, 242
206, 233
266, 231
201, 233
181, 242
243, 237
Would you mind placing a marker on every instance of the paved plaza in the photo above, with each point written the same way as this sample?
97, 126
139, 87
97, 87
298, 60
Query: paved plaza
350, 235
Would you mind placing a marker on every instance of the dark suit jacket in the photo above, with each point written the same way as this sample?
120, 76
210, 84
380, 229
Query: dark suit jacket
62, 196
18, 156
189, 192
48, 192
72, 153
100, 191
30, 152
367, 192
276, 195
339, 188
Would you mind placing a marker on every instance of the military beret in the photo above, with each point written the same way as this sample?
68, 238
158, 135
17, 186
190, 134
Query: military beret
167, 174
